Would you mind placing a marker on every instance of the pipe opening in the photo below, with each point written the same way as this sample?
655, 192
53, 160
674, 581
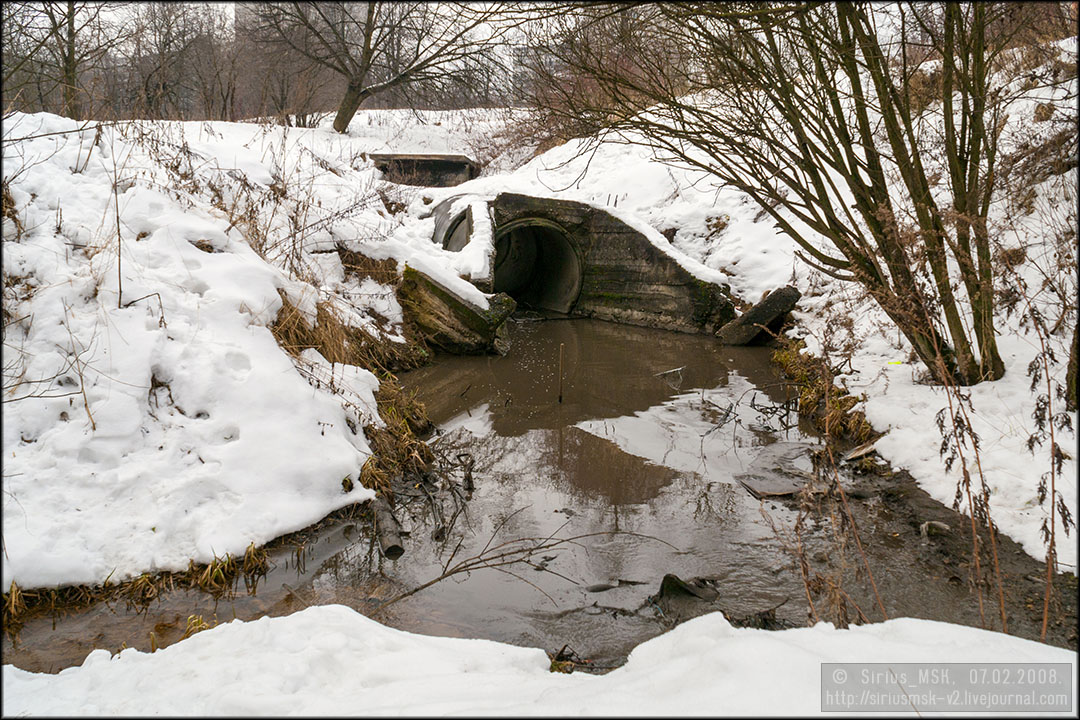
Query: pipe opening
536, 264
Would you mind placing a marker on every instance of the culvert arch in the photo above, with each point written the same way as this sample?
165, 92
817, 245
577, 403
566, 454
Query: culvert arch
574, 258
538, 264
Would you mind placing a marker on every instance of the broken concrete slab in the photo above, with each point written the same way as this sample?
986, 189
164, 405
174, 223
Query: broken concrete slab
779, 470
767, 314
447, 321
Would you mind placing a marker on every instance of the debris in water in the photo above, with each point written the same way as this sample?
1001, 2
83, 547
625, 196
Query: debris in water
861, 451
387, 529
600, 587
673, 585
774, 472
933, 527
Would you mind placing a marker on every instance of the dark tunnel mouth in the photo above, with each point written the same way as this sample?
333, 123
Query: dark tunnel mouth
537, 265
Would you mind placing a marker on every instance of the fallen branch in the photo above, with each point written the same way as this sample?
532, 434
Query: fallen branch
519, 550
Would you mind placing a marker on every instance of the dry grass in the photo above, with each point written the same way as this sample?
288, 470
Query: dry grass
381, 271
820, 400
7, 202
924, 89
195, 624
341, 343
396, 447
218, 577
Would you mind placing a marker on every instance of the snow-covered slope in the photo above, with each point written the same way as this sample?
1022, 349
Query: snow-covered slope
137, 488
149, 428
165, 424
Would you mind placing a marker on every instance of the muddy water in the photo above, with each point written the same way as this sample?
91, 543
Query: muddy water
651, 430
631, 477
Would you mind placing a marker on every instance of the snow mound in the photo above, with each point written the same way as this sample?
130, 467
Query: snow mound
330, 660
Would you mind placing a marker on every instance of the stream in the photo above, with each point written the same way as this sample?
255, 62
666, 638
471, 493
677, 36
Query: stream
633, 476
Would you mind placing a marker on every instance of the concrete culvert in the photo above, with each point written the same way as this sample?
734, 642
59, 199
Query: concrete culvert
537, 265
458, 237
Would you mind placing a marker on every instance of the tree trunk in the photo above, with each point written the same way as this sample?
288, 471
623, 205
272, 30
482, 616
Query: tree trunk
354, 97
71, 102
1070, 377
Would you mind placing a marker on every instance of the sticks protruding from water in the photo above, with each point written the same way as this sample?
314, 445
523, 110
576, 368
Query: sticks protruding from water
560, 371
387, 530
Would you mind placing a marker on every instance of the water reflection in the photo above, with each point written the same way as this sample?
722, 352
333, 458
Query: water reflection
652, 430
644, 445
653, 427
609, 371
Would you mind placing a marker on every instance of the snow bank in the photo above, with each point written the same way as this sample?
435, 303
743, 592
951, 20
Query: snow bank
155, 432
159, 424
330, 660
197, 435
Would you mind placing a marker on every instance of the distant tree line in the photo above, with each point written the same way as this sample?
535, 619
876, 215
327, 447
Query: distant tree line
290, 61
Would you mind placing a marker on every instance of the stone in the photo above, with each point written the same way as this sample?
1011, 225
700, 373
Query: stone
766, 314
447, 321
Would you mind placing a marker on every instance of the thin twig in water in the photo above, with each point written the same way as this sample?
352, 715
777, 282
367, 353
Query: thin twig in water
497, 557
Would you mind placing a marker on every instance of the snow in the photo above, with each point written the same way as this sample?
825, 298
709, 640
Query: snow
1002, 420
180, 450
723, 236
197, 435
330, 660
164, 423
476, 256
681, 433
595, 180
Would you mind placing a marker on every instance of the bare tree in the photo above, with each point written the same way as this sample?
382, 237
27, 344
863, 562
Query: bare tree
812, 110
49, 47
160, 58
216, 62
378, 47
